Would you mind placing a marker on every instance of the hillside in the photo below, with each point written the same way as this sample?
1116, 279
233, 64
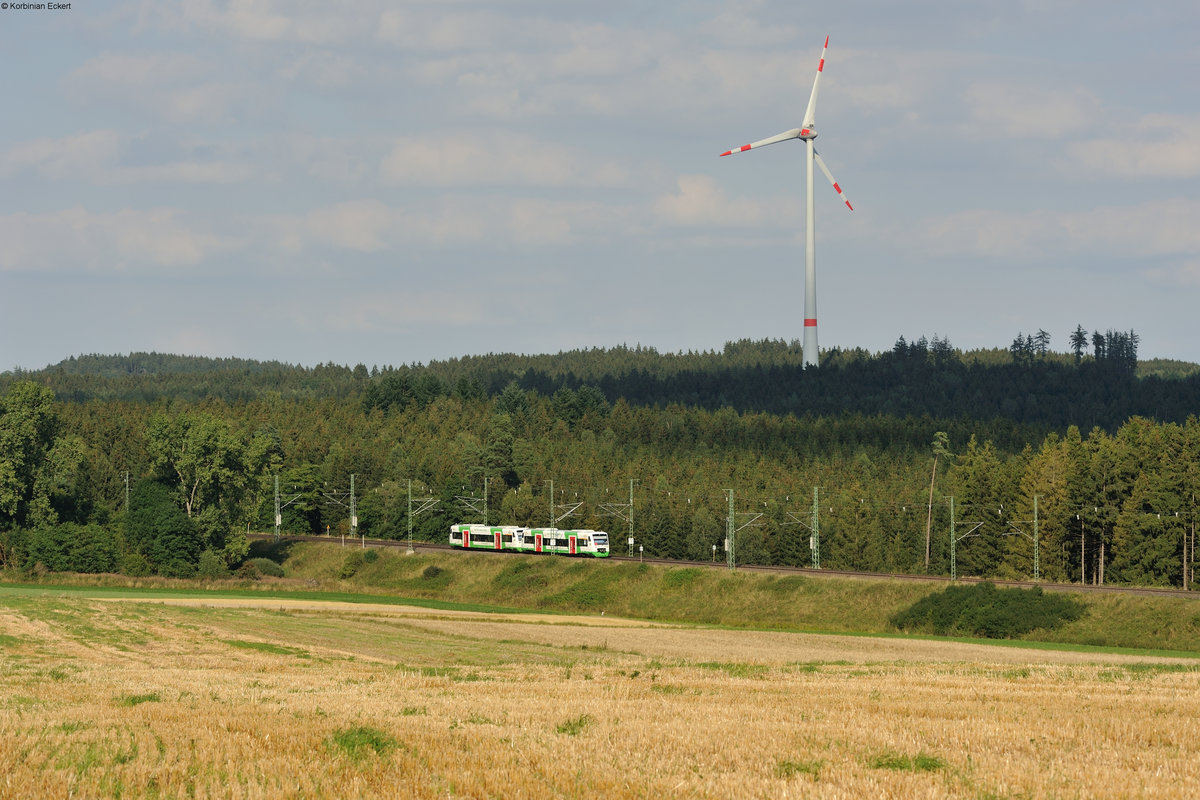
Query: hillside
1044, 390
738, 599
1049, 466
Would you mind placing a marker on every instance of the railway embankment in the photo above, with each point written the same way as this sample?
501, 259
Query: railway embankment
700, 595
708, 595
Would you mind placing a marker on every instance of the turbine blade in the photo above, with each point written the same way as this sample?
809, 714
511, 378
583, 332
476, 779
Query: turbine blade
811, 111
832, 182
792, 134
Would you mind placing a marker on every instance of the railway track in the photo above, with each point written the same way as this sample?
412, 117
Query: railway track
392, 544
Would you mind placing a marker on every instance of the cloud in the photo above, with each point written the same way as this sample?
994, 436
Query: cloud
1156, 146
736, 26
1029, 111
77, 240
107, 157
1161, 228
446, 222
429, 28
65, 157
1185, 274
176, 86
362, 226
700, 202
497, 159
340, 159
399, 309
306, 21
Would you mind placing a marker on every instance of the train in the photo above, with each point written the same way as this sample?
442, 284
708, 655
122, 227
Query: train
530, 540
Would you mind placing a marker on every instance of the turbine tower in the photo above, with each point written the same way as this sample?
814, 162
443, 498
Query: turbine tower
807, 133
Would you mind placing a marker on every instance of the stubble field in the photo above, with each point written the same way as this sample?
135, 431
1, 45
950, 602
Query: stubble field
267, 697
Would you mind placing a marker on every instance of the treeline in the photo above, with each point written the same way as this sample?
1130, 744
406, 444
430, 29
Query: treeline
1028, 383
173, 487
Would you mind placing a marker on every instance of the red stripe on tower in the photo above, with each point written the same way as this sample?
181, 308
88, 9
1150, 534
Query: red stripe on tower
810, 323
821, 66
744, 148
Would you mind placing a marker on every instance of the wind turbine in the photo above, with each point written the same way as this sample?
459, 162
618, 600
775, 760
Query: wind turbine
807, 133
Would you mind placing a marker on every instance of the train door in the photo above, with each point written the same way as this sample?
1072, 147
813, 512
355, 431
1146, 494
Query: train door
537, 543
571, 545
496, 533
466, 537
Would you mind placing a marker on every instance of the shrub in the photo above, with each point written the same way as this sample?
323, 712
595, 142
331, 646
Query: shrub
135, 565
370, 556
266, 566
523, 574
983, 610
72, 548
247, 572
158, 528
680, 579
177, 568
211, 566
352, 564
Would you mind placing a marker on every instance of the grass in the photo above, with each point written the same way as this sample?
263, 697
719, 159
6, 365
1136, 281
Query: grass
266, 647
718, 597
789, 769
553, 585
921, 762
575, 726
446, 705
362, 741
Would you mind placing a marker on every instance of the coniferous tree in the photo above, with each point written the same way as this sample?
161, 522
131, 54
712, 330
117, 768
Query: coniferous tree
1079, 339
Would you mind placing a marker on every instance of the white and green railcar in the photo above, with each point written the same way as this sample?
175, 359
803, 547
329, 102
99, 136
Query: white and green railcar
530, 540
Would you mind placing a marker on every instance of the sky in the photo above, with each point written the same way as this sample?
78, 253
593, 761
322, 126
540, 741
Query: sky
388, 182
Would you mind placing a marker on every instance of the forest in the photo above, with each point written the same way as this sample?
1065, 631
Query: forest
1015, 462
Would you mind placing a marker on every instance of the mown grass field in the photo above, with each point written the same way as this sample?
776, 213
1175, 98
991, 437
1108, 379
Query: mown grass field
119, 693
712, 597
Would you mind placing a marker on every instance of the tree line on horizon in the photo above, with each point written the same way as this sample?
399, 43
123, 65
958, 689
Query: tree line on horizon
1027, 383
170, 485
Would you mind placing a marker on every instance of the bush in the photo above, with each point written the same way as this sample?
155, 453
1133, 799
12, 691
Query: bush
247, 572
211, 566
265, 566
158, 528
135, 565
256, 568
352, 564
983, 610
177, 568
370, 556
72, 548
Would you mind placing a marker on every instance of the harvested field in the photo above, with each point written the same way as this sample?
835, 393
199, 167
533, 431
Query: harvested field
279, 698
